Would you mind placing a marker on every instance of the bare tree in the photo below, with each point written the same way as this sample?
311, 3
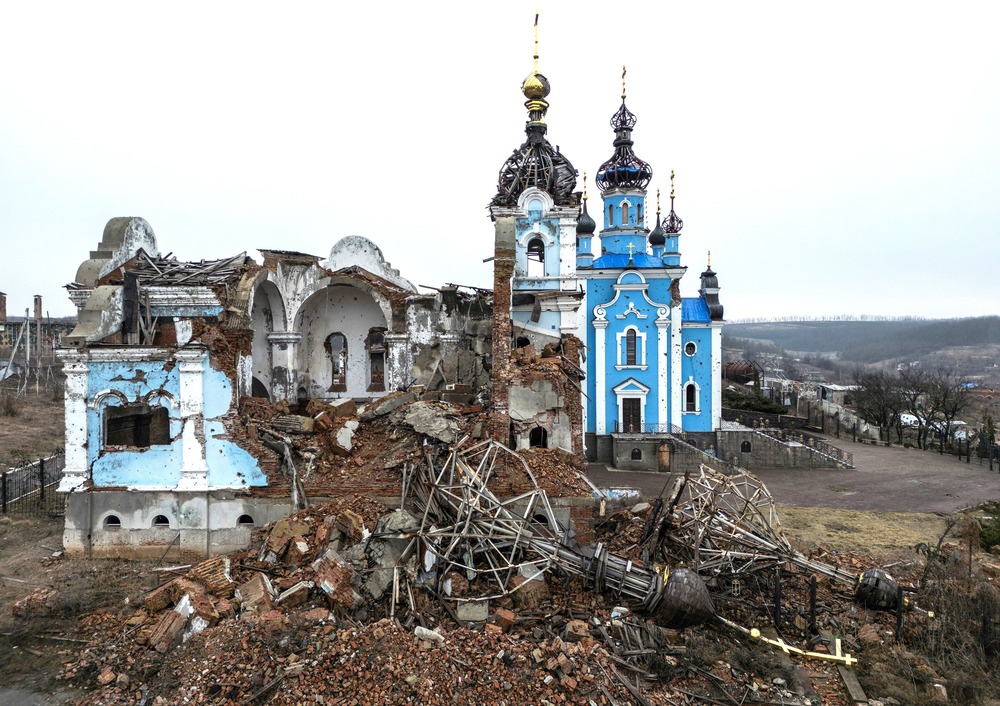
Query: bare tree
913, 386
949, 396
987, 434
877, 398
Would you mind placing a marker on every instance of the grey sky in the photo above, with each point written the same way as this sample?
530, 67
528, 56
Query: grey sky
835, 158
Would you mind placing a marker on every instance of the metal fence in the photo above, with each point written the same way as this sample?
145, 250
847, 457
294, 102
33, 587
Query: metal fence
31, 489
621, 428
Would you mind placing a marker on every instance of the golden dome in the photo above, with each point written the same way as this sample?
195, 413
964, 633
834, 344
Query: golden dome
535, 86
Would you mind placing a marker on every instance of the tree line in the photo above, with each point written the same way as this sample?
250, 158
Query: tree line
912, 397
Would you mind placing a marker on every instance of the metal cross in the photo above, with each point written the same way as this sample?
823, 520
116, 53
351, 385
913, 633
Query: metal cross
631, 249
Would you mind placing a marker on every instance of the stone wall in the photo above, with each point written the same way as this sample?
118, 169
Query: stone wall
765, 451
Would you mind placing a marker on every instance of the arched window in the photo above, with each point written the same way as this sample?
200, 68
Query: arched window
630, 347
539, 438
611, 215
745, 447
136, 425
336, 348
161, 522
112, 522
375, 343
245, 521
638, 209
691, 397
636, 454
536, 258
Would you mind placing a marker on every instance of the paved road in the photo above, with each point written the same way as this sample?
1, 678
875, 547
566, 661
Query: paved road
885, 479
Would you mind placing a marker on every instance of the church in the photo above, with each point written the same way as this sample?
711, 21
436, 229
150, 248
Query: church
651, 358
584, 344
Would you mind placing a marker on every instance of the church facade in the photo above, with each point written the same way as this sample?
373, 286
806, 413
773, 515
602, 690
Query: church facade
651, 358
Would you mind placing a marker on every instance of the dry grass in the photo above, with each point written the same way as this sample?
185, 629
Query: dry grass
876, 532
36, 430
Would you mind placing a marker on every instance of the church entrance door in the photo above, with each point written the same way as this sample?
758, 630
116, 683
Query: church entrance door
631, 417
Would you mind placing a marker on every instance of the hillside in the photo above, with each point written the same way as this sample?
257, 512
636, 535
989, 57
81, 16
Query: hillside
972, 343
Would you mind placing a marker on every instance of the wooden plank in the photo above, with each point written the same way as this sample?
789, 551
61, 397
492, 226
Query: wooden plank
853, 687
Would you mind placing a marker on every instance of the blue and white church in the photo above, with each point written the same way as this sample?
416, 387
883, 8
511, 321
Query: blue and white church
654, 358
651, 359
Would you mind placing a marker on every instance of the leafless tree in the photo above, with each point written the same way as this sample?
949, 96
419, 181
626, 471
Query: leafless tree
949, 397
877, 398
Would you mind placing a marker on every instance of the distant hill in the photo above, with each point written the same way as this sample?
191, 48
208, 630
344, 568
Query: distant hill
871, 341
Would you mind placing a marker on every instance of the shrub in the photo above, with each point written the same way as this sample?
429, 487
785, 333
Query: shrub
9, 406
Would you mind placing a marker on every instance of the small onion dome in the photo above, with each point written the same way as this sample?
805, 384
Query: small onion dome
674, 222
708, 279
535, 86
585, 225
657, 238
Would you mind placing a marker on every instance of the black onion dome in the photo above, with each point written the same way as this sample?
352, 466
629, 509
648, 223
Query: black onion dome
674, 222
624, 170
585, 225
656, 237
710, 290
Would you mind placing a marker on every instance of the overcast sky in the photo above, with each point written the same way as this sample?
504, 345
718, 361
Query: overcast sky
836, 158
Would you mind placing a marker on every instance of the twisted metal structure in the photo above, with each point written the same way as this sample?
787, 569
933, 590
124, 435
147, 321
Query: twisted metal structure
469, 530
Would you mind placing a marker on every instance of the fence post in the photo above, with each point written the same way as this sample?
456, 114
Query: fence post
41, 480
3, 493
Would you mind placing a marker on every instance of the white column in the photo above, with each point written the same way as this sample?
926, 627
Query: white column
662, 364
600, 370
77, 469
398, 365
284, 364
194, 469
676, 347
716, 377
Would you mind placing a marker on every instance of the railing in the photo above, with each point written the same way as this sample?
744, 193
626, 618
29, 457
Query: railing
811, 442
756, 419
31, 489
666, 428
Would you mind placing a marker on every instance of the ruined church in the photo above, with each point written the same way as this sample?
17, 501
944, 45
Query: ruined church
584, 344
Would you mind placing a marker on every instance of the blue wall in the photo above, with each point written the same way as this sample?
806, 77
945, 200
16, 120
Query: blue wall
160, 465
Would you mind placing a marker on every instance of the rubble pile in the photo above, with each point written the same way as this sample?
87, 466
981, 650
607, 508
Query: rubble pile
465, 594
342, 448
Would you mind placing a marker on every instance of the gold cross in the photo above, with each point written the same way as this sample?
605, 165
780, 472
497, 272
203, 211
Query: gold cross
631, 249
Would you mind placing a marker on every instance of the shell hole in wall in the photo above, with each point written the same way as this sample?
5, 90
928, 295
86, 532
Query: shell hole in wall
245, 521
112, 522
161, 521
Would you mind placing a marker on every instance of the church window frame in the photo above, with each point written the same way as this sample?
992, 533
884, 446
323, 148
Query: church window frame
638, 360
692, 397
690, 349
535, 256
338, 361
135, 425
611, 215
625, 212
376, 350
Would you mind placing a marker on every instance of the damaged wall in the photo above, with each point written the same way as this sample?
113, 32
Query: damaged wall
143, 525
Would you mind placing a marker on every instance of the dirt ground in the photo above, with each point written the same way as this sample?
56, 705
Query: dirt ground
32, 651
36, 430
